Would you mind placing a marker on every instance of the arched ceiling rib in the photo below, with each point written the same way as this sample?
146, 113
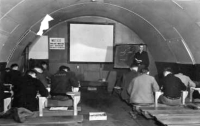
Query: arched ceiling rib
127, 16
152, 20
61, 15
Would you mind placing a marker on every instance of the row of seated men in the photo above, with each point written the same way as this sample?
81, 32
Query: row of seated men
27, 86
139, 87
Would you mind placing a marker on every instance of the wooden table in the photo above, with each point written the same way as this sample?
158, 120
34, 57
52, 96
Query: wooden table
94, 84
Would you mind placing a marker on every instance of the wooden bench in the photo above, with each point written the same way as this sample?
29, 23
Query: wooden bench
7, 101
183, 97
179, 120
43, 103
192, 89
94, 84
174, 115
68, 117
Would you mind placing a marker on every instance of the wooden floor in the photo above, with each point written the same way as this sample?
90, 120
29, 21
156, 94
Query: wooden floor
173, 115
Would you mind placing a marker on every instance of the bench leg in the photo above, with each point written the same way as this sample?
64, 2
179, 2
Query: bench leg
42, 104
191, 93
183, 96
76, 100
157, 95
7, 104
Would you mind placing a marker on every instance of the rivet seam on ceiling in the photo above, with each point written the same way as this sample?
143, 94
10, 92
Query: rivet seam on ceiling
177, 4
19, 41
186, 46
12, 9
14, 28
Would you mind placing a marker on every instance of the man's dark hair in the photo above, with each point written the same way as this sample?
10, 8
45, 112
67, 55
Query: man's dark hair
31, 72
14, 65
43, 63
7, 69
61, 68
144, 70
141, 44
38, 66
169, 69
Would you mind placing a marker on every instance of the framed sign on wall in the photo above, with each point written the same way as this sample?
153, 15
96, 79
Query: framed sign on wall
57, 43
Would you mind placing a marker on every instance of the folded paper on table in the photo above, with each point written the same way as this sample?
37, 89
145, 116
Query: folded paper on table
97, 116
58, 108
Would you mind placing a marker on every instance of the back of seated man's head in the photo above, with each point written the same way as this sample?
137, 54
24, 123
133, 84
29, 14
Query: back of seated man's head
7, 69
64, 68
167, 71
14, 66
145, 71
44, 65
38, 69
179, 71
31, 73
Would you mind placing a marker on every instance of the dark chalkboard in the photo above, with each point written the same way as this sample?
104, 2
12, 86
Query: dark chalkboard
124, 55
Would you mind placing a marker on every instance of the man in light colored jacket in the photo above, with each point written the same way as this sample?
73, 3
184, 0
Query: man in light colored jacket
142, 87
186, 80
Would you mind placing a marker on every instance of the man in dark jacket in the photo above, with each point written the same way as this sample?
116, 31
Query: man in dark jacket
41, 76
126, 79
171, 87
14, 75
141, 58
62, 82
27, 91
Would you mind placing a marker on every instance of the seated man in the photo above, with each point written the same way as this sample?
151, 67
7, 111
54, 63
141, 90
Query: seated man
46, 72
14, 76
196, 94
126, 79
41, 76
186, 80
62, 82
6, 76
142, 87
28, 89
171, 88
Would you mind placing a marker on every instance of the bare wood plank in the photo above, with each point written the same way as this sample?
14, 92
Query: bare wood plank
47, 112
178, 117
185, 125
179, 120
21, 124
173, 112
49, 120
164, 108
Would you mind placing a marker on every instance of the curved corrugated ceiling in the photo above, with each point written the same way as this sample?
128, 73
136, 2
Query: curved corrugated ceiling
169, 27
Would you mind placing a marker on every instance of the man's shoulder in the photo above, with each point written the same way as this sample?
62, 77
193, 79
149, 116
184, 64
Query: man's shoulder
142, 76
181, 75
60, 74
148, 76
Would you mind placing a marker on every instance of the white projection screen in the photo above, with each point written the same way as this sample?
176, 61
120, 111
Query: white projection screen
91, 42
